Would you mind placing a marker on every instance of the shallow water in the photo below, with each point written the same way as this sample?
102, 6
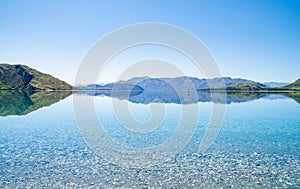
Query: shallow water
258, 146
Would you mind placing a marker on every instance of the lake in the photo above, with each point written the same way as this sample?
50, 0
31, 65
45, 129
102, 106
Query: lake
45, 144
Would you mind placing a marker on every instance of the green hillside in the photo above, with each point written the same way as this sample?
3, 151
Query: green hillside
293, 86
243, 86
21, 77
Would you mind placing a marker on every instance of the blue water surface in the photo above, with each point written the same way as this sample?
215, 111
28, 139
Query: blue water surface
258, 146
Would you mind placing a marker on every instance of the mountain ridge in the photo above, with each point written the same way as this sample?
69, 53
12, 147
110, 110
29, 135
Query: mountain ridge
294, 86
21, 77
186, 83
179, 83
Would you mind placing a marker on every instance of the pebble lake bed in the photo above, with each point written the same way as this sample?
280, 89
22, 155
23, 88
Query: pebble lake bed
258, 147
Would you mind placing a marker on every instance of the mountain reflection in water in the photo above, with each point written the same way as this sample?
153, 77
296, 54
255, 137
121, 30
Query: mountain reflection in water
187, 97
22, 103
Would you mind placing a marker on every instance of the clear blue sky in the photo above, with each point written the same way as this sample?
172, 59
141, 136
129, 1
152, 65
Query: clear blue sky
254, 39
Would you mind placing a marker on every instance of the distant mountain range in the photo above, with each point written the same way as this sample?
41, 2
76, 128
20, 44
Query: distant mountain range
21, 77
178, 83
274, 84
190, 83
181, 82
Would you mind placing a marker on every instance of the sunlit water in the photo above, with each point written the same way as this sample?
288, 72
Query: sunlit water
258, 147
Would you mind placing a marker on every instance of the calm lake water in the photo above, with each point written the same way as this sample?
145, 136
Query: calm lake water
42, 146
